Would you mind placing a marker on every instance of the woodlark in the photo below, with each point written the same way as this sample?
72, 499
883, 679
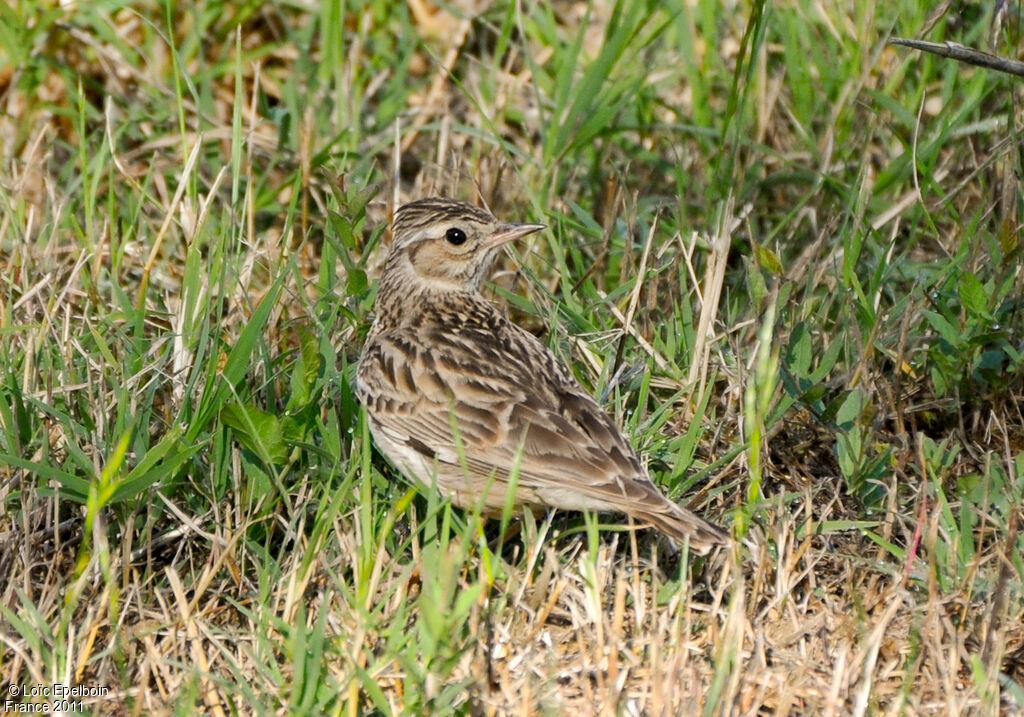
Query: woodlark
458, 395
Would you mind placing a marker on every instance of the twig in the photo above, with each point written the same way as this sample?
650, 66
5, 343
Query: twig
962, 53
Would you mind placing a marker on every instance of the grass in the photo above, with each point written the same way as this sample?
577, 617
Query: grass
786, 257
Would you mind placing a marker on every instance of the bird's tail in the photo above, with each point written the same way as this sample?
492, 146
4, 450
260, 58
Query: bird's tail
682, 525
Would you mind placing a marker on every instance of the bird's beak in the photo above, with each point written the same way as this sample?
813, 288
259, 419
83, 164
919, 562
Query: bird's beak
508, 232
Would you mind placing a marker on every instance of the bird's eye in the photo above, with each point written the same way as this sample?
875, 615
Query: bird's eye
455, 236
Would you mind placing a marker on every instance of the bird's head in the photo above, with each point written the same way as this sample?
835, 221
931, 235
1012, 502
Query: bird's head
447, 244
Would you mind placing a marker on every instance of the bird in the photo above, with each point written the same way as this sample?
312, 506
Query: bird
459, 397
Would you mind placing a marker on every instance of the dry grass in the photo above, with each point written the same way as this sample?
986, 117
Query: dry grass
800, 294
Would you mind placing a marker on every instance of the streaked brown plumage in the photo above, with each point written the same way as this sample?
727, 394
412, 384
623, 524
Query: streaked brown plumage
453, 389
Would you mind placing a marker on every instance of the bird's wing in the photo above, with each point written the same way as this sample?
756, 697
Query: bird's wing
512, 405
